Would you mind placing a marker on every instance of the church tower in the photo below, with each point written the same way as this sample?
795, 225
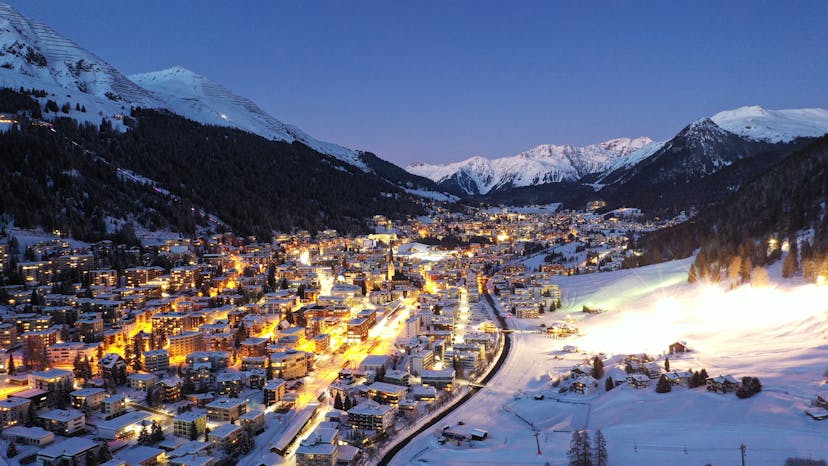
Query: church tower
392, 270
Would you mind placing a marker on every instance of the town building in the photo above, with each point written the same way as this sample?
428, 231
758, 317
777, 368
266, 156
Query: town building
225, 435
63, 422
371, 415
226, 409
155, 360
188, 423
13, 411
274, 391
87, 398
289, 364
186, 343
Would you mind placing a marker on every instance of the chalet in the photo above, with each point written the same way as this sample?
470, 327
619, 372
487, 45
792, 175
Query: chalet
113, 366
684, 377
651, 370
638, 380
678, 347
561, 329
583, 385
581, 370
722, 384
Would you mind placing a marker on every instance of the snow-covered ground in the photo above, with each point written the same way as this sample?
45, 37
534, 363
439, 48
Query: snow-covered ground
26, 238
776, 334
773, 125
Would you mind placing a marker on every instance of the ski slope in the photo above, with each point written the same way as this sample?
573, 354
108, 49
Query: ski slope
776, 334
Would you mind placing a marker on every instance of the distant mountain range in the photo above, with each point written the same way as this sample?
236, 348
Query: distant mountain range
546, 163
705, 161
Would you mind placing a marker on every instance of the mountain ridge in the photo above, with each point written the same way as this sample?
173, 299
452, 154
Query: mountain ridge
544, 163
34, 56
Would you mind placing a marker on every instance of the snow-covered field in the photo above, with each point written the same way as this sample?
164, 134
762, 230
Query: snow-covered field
776, 334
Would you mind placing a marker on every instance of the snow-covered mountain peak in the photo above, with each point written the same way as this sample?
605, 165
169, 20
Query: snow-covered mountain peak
32, 55
760, 124
545, 163
196, 97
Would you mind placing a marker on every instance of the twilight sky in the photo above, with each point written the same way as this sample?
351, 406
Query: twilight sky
440, 81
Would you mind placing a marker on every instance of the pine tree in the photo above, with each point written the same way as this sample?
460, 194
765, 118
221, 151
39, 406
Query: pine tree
193, 431
11, 452
338, 401
583, 453
664, 385
745, 271
789, 265
599, 449
759, 278
143, 435
609, 384
128, 355
76, 366
206, 433
667, 364
104, 454
693, 274
733, 270
157, 434
12, 368
597, 368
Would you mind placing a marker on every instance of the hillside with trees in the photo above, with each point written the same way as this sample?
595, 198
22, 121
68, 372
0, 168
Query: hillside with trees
67, 176
746, 231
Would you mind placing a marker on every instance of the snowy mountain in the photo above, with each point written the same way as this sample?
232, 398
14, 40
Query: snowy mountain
705, 161
200, 99
760, 124
33, 55
546, 163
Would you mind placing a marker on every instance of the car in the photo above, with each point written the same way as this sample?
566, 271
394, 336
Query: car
540, 397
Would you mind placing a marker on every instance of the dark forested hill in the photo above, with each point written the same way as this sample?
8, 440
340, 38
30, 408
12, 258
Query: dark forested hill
67, 177
789, 198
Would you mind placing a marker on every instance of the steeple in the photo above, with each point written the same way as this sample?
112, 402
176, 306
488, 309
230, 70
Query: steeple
390, 259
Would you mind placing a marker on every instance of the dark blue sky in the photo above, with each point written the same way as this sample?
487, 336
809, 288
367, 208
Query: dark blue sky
442, 80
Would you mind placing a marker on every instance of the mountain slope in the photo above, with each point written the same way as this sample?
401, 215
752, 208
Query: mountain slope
33, 55
66, 175
196, 97
787, 199
543, 164
760, 124
701, 164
